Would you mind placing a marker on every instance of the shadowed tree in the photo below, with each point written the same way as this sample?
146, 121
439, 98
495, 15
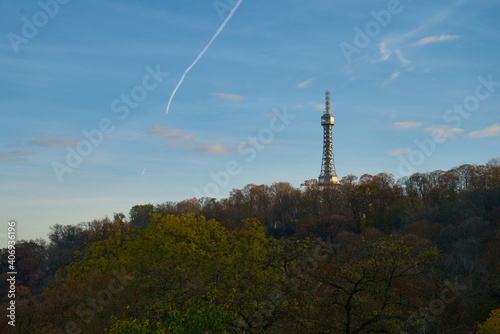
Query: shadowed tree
140, 215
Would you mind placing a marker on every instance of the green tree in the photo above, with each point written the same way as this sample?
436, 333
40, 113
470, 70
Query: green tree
369, 290
140, 215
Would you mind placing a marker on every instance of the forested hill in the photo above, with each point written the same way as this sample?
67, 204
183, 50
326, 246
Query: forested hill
420, 254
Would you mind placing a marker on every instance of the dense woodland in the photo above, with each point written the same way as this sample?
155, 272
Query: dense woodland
420, 254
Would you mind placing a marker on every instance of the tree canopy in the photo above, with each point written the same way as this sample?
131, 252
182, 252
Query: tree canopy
370, 255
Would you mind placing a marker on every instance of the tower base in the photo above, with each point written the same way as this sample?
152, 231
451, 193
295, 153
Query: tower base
325, 180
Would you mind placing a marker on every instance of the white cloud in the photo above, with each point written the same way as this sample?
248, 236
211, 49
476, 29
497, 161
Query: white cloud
304, 84
393, 76
434, 39
399, 151
229, 97
406, 125
440, 133
490, 131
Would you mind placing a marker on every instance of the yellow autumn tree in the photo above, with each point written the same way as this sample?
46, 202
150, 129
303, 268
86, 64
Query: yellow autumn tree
492, 324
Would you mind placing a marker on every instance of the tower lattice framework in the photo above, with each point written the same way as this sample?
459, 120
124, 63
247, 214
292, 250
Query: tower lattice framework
328, 173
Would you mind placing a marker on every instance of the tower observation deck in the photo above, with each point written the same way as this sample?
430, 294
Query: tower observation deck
328, 174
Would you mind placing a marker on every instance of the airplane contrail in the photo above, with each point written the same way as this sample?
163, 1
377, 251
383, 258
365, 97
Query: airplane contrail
203, 51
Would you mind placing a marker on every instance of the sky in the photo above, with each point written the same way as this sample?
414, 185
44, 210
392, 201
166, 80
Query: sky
85, 87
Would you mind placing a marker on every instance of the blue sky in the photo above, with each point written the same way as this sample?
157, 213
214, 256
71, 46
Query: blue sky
415, 86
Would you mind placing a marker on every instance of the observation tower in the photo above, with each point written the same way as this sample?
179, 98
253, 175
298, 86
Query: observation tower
328, 174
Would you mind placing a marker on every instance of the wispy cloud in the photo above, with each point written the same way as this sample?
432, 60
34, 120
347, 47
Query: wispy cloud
170, 135
406, 125
175, 137
434, 39
47, 141
210, 147
393, 76
53, 142
162, 132
345, 83
384, 51
15, 156
229, 97
490, 131
437, 18
401, 58
399, 151
304, 84
440, 133
317, 106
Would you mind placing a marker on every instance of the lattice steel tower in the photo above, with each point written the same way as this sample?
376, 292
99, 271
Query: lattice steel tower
328, 174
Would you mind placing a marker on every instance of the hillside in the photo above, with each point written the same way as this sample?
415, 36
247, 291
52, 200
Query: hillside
374, 255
